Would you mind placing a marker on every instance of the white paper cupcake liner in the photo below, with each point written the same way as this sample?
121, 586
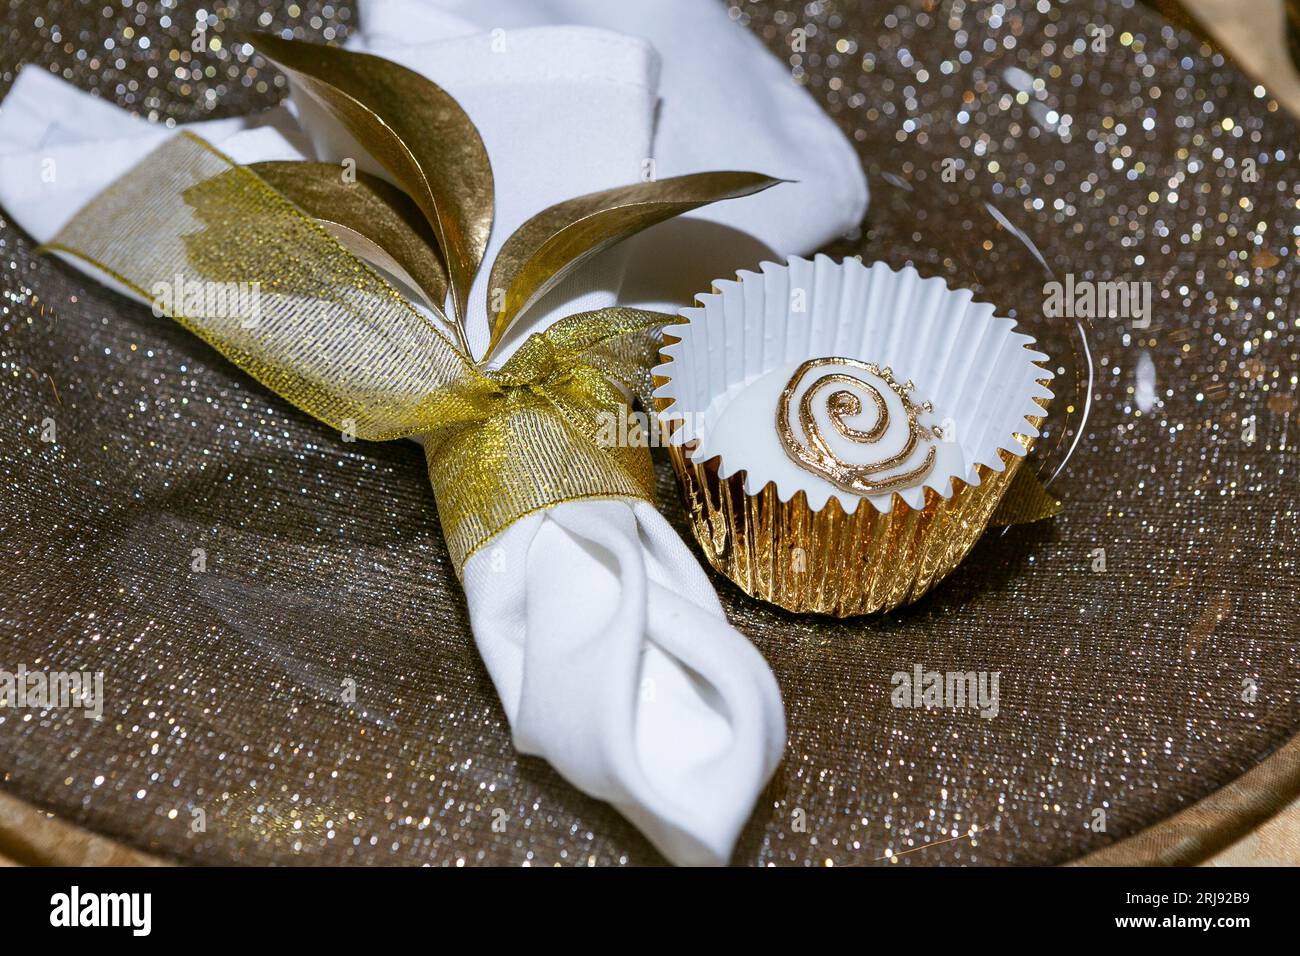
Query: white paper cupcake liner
982, 377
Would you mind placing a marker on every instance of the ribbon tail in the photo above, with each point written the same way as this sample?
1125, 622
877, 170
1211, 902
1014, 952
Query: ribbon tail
216, 248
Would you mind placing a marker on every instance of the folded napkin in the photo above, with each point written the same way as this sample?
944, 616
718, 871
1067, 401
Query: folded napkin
600, 630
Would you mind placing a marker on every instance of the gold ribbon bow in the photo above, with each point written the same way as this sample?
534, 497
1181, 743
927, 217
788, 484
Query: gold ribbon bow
504, 444
312, 256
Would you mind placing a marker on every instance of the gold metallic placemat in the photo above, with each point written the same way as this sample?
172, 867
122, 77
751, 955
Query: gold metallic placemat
238, 574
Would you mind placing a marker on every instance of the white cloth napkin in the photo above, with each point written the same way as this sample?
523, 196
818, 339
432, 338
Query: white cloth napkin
601, 632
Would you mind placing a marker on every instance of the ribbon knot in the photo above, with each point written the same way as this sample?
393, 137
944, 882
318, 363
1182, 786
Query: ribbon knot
536, 361
505, 443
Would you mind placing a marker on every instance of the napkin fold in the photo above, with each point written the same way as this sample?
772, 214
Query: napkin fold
600, 630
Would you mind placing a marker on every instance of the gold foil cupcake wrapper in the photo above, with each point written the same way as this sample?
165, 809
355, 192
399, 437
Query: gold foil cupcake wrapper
829, 561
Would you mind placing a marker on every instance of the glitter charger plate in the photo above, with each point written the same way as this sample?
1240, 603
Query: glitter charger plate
1127, 632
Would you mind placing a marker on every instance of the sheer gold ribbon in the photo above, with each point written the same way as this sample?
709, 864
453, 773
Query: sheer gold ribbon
324, 330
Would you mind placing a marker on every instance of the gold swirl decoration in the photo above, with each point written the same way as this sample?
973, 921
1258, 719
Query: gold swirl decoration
813, 452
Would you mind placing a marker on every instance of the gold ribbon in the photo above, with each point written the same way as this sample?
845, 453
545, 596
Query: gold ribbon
505, 444
329, 334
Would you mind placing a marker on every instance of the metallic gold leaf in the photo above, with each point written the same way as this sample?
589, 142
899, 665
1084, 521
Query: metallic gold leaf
549, 246
416, 130
1025, 501
371, 209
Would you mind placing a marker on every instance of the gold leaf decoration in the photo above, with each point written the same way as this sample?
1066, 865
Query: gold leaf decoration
550, 245
370, 209
1025, 501
417, 131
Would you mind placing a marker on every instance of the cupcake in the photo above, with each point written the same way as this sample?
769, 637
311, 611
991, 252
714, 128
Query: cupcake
843, 432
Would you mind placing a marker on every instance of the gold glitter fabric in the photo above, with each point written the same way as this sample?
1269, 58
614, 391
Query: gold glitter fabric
309, 691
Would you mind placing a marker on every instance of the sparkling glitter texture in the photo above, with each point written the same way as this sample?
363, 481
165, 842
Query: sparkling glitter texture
1135, 689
